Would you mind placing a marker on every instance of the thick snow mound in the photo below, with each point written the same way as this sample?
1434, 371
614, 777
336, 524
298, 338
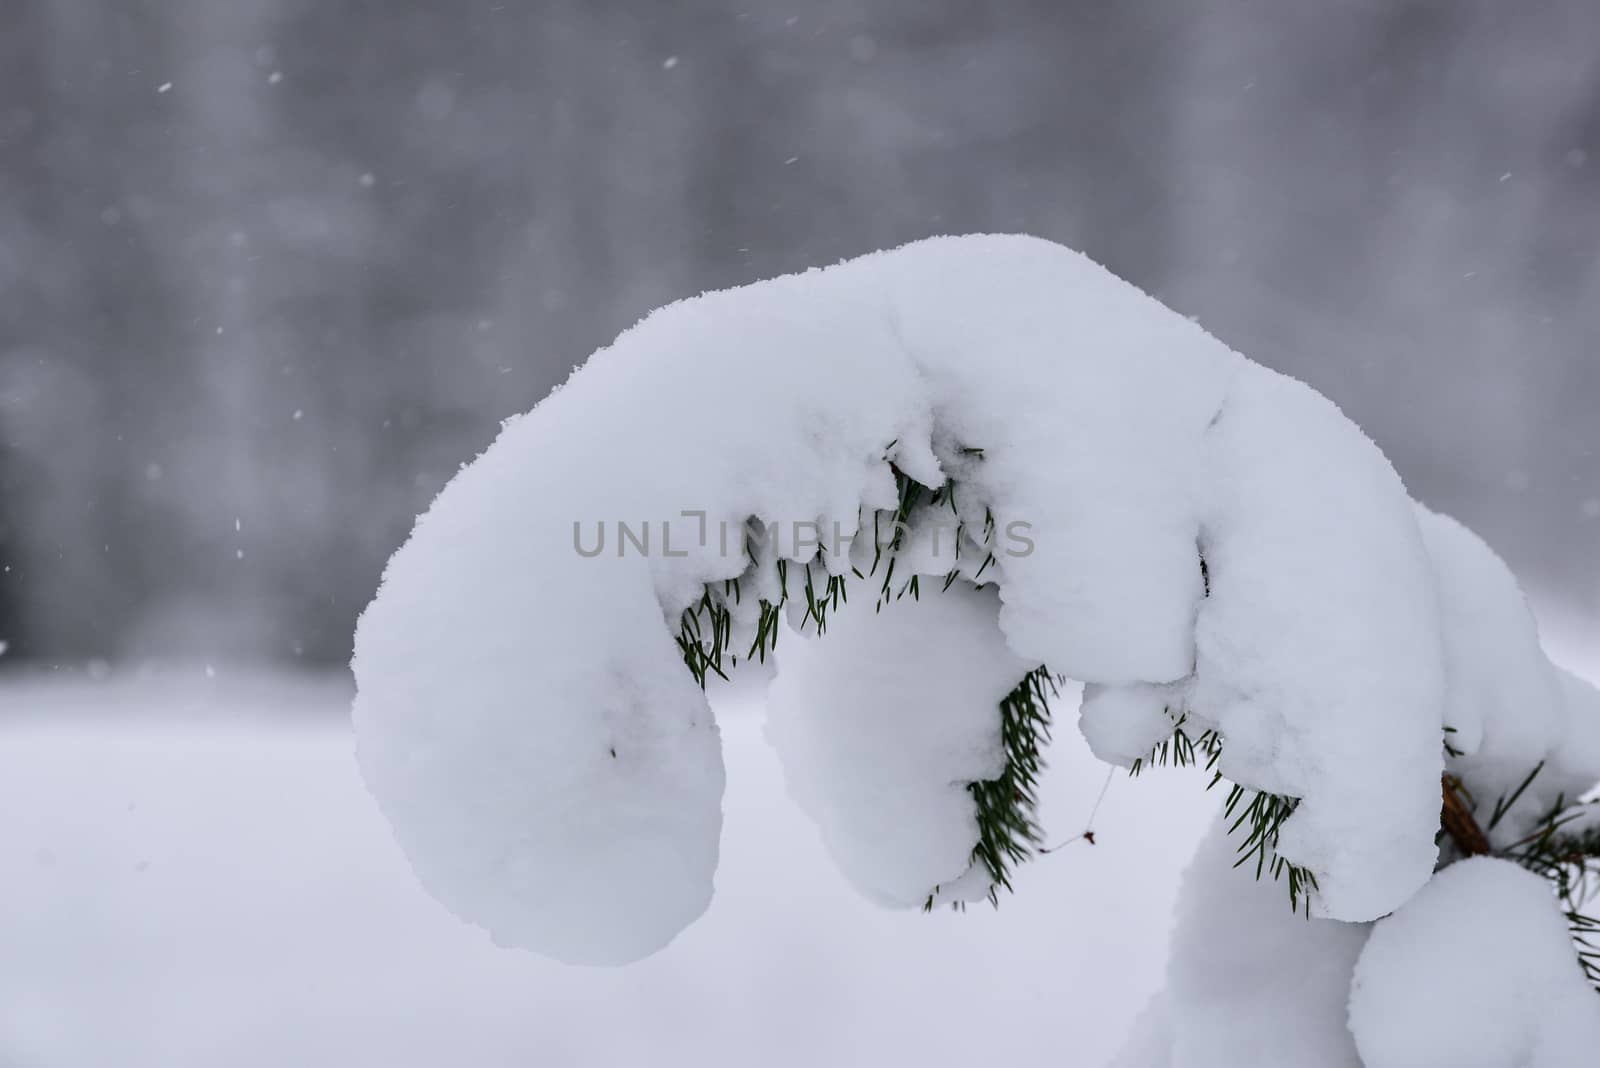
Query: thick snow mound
1476, 971
1576, 756
1123, 724
1504, 702
1319, 653
1511, 712
561, 810
526, 721
880, 724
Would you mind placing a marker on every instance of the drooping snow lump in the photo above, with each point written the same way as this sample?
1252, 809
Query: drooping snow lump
1478, 968
1180, 522
1476, 971
879, 723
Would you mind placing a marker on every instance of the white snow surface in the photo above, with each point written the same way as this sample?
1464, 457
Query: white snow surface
555, 774
1149, 1041
1575, 758
881, 722
1476, 971
195, 877
1248, 981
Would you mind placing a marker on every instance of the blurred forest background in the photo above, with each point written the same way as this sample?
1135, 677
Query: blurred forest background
270, 270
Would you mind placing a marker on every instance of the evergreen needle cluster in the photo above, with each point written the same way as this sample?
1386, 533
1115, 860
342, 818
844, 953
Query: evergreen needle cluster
1008, 832
1259, 815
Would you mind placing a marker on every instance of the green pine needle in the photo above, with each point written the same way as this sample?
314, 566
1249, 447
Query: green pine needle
1259, 815
1570, 860
1008, 833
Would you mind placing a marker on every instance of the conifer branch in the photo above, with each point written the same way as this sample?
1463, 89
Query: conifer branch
1569, 858
1455, 817
1008, 833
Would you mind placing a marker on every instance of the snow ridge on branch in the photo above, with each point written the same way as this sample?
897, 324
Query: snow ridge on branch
532, 719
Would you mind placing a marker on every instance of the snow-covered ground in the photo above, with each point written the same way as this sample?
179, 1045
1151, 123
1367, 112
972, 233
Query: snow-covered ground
191, 873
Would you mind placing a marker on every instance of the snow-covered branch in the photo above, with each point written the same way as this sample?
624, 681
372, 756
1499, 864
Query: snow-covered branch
1202, 541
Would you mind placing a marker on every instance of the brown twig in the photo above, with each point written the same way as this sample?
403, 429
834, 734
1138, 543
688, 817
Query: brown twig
1457, 820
